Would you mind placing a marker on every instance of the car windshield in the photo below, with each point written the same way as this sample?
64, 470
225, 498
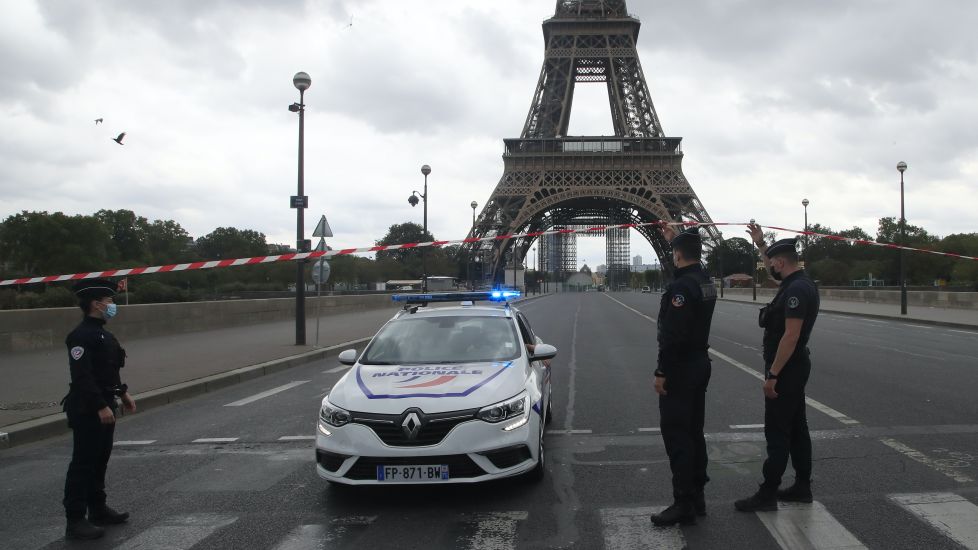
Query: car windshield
425, 340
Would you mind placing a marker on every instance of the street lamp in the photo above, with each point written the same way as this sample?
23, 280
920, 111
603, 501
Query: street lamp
902, 167
536, 271
805, 203
474, 205
413, 200
753, 266
301, 81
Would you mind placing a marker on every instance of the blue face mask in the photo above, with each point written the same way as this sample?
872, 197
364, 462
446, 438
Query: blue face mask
110, 311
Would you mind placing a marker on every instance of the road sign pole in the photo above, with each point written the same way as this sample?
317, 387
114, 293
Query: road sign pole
319, 302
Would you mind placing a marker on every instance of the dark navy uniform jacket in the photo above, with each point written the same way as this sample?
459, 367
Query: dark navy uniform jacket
796, 299
685, 315
94, 357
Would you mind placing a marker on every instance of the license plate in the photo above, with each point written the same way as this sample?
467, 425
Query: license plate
427, 472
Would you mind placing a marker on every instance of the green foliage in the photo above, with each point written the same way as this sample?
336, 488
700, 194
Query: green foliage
736, 255
154, 292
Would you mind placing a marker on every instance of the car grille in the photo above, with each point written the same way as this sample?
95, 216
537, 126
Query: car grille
509, 456
434, 427
459, 466
330, 461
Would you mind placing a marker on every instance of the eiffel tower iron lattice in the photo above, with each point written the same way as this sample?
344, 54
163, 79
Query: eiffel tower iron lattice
553, 180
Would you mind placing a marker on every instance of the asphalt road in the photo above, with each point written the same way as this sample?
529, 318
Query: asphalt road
893, 415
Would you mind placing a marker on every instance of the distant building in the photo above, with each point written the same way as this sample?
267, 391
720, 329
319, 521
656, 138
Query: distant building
602, 269
641, 268
637, 260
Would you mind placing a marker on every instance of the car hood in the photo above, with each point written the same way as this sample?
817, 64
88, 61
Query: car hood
386, 389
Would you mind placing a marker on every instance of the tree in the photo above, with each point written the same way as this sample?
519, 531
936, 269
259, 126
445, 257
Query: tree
168, 242
738, 257
128, 233
38, 243
228, 242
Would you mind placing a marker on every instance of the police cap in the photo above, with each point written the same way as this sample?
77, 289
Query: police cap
780, 247
690, 235
94, 289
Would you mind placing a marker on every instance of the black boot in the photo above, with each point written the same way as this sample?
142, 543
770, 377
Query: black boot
801, 491
764, 500
81, 529
681, 512
103, 515
699, 502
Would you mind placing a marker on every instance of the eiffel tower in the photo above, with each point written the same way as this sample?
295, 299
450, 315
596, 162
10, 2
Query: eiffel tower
552, 180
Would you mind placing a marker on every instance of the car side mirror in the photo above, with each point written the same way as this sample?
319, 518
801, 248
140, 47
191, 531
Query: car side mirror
348, 357
543, 352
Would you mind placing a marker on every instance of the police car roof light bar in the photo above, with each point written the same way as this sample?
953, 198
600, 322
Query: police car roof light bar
486, 296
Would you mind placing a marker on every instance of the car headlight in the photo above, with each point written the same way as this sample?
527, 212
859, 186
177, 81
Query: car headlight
332, 415
513, 408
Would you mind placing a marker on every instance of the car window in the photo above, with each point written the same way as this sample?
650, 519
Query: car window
525, 330
425, 340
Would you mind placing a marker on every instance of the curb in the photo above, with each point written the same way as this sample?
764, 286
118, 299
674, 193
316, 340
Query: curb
907, 320
56, 424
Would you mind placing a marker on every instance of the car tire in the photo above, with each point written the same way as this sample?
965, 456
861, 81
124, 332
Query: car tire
536, 474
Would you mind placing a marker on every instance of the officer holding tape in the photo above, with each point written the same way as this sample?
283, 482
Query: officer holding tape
94, 357
685, 316
787, 322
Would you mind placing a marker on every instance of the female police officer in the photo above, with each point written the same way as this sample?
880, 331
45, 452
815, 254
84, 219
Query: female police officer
94, 358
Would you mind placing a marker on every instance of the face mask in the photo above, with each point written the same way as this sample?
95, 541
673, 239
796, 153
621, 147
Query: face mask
110, 311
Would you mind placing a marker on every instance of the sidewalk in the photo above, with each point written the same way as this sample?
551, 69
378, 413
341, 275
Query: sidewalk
963, 318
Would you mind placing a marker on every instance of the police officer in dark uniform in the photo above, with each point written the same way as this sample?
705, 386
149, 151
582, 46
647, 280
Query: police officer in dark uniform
683, 373
787, 321
94, 357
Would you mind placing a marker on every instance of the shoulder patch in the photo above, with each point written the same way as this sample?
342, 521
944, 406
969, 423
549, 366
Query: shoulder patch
77, 352
793, 302
678, 300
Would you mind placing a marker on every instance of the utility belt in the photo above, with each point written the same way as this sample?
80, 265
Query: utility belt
109, 394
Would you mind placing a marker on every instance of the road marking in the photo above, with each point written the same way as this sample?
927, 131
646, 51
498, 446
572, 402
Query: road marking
807, 526
971, 332
136, 442
650, 429
920, 457
265, 394
746, 426
297, 438
568, 432
825, 409
572, 377
178, 532
216, 440
949, 513
336, 369
318, 537
628, 528
921, 326
495, 530
633, 310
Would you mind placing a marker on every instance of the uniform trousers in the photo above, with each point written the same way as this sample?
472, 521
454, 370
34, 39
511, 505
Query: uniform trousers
682, 414
786, 427
85, 482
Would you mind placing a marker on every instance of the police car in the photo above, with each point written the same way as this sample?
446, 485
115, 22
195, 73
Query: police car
448, 394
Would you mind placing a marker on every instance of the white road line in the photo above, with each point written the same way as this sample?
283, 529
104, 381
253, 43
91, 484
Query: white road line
572, 376
568, 432
633, 310
746, 426
495, 530
971, 332
336, 369
921, 326
808, 526
811, 402
216, 440
650, 429
297, 438
920, 457
318, 537
136, 442
949, 513
265, 394
178, 532
630, 528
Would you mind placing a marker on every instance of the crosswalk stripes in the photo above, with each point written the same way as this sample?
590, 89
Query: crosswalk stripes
952, 515
494, 531
321, 537
630, 528
808, 526
178, 532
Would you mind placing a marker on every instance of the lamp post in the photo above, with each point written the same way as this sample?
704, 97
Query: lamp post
536, 272
805, 203
753, 266
720, 260
474, 205
413, 200
902, 167
302, 82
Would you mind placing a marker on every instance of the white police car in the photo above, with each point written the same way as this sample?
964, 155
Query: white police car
440, 395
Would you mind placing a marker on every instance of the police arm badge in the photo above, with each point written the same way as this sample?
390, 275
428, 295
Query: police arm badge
77, 352
678, 300
793, 302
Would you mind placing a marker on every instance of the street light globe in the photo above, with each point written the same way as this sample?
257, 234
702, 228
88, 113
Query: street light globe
901, 166
301, 81
426, 169
474, 205
805, 203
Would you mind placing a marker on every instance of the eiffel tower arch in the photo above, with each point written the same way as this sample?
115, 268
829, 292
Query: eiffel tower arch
552, 180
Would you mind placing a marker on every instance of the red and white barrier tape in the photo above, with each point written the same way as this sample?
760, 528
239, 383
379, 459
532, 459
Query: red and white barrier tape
128, 272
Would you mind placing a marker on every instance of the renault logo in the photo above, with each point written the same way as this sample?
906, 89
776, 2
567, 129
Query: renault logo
411, 425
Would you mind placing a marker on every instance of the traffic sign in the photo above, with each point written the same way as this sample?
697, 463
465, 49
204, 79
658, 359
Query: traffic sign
299, 202
323, 229
321, 247
320, 271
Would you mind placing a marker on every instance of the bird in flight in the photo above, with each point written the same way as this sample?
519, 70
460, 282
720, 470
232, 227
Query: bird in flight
98, 120
119, 138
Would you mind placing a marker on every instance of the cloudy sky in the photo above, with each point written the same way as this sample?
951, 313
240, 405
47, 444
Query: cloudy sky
776, 101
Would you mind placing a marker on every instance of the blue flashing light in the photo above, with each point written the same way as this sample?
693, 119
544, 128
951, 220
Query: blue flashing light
487, 296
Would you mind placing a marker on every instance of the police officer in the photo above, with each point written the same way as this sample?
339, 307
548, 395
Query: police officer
683, 373
94, 357
787, 321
